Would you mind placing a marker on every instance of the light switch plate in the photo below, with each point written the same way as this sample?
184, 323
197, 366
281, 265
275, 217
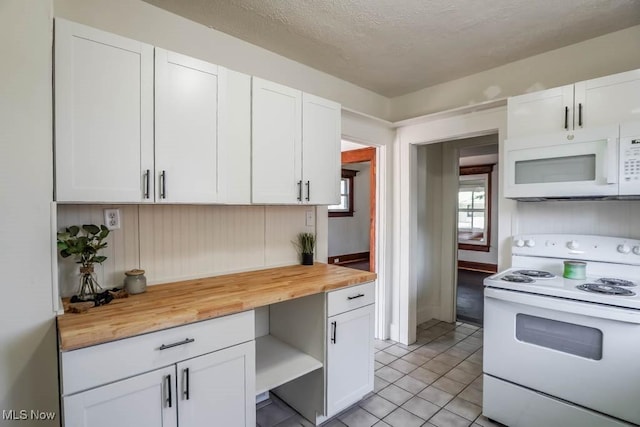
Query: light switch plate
309, 219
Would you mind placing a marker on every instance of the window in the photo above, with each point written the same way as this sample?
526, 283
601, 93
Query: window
345, 208
474, 208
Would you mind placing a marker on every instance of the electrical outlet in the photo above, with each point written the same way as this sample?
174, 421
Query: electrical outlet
336, 260
112, 219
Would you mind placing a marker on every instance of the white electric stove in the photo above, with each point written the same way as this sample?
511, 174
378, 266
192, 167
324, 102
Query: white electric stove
560, 351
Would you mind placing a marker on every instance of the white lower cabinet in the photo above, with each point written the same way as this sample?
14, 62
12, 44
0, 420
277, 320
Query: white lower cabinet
197, 375
217, 389
350, 347
145, 400
349, 358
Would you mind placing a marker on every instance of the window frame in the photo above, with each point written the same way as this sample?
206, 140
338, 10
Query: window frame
478, 170
349, 175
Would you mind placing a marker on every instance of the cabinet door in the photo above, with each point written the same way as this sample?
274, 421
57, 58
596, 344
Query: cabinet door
276, 143
321, 133
186, 128
218, 389
608, 100
103, 115
349, 358
546, 111
234, 144
147, 400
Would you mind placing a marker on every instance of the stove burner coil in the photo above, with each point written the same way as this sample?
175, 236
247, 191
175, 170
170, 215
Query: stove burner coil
517, 278
600, 288
535, 273
616, 282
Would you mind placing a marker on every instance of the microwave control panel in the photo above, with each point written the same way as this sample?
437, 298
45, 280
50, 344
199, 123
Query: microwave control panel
630, 165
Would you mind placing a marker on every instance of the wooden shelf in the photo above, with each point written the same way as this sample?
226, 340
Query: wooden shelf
278, 363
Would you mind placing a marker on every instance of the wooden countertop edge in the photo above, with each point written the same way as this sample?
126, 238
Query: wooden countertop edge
76, 331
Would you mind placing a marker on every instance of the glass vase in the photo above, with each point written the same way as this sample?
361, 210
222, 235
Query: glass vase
89, 286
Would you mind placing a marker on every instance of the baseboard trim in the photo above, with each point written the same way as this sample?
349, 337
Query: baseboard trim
478, 266
348, 258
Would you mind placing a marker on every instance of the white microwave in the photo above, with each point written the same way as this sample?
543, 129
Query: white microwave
599, 163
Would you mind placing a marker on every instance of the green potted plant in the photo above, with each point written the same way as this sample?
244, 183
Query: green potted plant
306, 244
84, 243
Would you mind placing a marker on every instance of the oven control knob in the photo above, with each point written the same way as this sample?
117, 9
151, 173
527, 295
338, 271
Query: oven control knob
529, 243
519, 243
624, 248
636, 250
573, 245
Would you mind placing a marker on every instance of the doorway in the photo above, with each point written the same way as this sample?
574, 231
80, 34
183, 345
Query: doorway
476, 225
352, 223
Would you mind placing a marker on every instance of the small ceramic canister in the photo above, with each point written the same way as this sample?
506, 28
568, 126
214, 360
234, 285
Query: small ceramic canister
135, 282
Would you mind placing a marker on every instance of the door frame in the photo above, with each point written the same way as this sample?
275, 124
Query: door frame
360, 155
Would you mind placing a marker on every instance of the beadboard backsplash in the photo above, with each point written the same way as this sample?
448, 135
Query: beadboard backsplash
615, 218
179, 242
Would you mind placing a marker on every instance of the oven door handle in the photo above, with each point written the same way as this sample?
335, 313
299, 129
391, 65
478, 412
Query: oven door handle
566, 306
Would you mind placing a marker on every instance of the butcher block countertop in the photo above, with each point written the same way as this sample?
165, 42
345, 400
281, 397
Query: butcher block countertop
175, 304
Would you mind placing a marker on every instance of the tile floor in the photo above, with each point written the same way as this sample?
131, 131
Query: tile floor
435, 382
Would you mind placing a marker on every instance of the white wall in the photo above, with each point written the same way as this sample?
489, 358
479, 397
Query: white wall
28, 363
150, 24
609, 54
428, 254
350, 235
178, 242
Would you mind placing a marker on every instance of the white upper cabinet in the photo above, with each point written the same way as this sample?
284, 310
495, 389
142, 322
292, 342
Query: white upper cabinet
295, 146
103, 116
592, 103
547, 111
276, 143
608, 100
321, 133
186, 143
105, 147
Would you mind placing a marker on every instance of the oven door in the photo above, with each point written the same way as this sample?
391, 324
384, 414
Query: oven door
552, 167
583, 353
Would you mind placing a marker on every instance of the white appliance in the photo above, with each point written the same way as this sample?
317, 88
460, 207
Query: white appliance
557, 352
593, 163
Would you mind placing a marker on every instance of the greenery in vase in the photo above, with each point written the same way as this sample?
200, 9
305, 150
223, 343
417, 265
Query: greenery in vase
306, 243
84, 243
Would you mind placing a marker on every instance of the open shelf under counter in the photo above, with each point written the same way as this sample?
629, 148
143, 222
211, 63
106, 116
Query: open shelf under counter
278, 363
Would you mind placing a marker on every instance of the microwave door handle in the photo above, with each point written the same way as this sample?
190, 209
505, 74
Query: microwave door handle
565, 306
612, 161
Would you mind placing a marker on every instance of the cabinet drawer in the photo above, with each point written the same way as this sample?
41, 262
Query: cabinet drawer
100, 364
350, 298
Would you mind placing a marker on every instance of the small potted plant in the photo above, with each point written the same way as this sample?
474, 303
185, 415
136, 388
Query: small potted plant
306, 244
84, 244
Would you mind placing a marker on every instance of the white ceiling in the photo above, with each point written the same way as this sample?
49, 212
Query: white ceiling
395, 47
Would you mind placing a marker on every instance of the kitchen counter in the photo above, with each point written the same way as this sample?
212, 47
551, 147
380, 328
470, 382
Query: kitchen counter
175, 304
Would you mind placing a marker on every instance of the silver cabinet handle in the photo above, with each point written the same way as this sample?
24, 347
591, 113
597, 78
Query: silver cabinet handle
146, 184
169, 400
356, 296
186, 383
334, 326
176, 344
163, 189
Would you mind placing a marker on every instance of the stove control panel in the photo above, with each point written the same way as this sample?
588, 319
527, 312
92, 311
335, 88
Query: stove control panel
578, 247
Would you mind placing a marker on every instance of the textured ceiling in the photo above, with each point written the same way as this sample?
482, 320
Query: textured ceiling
398, 46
